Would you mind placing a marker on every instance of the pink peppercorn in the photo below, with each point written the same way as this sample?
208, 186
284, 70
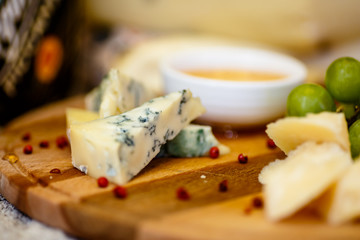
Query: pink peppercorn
271, 143
242, 158
61, 142
26, 136
223, 186
28, 149
44, 144
102, 182
120, 192
214, 152
182, 194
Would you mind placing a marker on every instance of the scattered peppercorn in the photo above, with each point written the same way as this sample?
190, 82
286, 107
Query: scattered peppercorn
44, 144
242, 158
120, 192
55, 171
26, 136
214, 152
223, 186
62, 142
28, 149
248, 210
102, 182
271, 144
182, 194
257, 202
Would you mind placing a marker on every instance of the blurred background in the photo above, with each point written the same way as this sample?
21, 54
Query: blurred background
53, 49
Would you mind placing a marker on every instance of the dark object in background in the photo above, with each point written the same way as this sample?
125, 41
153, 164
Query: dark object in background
42, 57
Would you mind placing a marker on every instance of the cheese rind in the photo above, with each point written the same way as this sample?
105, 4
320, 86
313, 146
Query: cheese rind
116, 94
119, 146
78, 115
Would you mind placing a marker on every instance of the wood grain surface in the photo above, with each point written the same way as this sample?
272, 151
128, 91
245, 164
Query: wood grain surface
73, 201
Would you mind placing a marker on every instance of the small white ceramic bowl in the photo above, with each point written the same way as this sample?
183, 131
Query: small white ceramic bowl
236, 104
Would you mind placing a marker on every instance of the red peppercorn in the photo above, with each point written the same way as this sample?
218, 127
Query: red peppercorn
214, 152
242, 158
61, 142
102, 182
26, 136
248, 210
55, 170
120, 192
182, 194
44, 144
28, 149
257, 202
223, 186
271, 144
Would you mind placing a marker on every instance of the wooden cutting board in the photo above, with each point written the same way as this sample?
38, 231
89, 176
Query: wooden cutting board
73, 201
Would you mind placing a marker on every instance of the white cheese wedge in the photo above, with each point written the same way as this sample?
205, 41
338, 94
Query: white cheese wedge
341, 203
303, 176
116, 94
118, 147
290, 132
268, 169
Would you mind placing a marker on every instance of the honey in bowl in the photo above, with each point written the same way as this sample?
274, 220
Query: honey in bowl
235, 75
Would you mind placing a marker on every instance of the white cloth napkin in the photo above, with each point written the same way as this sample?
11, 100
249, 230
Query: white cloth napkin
14, 225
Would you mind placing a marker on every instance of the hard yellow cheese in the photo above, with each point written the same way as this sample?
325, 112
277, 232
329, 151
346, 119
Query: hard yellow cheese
341, 203
304, 175
290, 132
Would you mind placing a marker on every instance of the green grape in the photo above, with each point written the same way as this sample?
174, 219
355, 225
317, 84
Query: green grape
354, 136
309, 98
342, 80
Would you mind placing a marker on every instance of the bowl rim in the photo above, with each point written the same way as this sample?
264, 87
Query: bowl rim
167, 67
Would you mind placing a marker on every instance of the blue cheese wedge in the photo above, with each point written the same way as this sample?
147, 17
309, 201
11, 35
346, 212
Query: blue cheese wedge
194, 141
117, 94
119, 146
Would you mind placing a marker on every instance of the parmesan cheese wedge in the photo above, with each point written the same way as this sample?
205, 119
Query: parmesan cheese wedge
303, 176
267, 170
341, 203
290, 132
